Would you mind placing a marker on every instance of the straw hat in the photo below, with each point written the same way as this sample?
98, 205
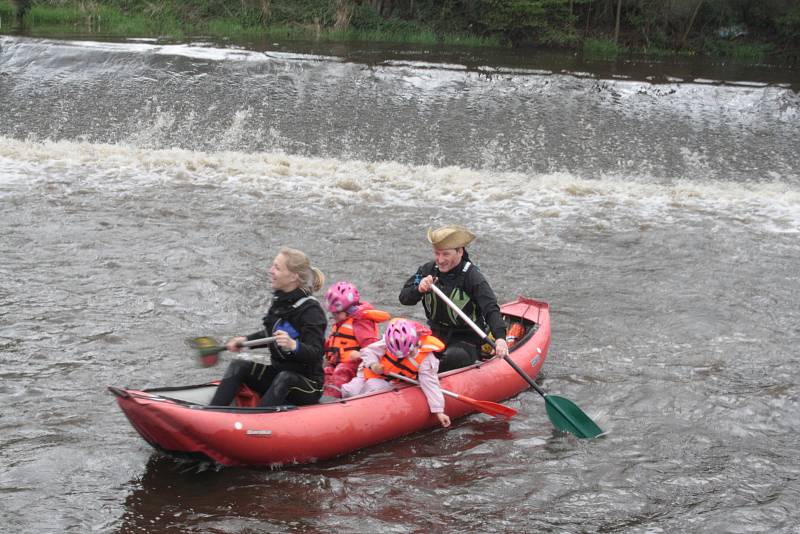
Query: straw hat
451, 236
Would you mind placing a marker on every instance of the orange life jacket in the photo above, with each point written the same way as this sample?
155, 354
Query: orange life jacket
515, 332
406, 366
342, 343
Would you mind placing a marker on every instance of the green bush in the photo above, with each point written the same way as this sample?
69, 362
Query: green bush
366, 19
789, 24
367, 25
7, 13
519, 22
448, 17
286, 12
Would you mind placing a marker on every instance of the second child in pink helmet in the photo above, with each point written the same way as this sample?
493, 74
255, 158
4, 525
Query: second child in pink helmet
355, 325
407, 348
401, 338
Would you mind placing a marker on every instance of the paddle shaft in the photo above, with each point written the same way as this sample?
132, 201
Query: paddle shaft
258, 342
486, 339
487, 407
576, 421
210, 351
246, 344
412, 381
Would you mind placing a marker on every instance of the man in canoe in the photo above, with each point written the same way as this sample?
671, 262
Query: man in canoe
298, 323
406, 349
463, 283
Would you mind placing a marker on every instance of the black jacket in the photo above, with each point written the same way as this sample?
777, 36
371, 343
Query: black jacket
473, 283
306, 324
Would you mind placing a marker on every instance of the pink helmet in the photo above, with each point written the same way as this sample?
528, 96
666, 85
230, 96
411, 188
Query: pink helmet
401, 337
341, 296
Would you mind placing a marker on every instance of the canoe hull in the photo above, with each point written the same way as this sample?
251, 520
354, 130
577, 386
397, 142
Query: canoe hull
231, 436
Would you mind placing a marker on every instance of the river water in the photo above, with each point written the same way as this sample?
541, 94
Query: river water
145, 187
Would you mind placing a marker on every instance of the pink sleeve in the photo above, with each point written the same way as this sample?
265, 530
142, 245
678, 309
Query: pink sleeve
372, 353
429, 382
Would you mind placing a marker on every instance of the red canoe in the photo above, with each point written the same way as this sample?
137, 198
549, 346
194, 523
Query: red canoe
178, 421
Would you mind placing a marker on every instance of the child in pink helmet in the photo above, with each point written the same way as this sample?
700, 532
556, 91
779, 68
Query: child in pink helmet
406, 349
355, 325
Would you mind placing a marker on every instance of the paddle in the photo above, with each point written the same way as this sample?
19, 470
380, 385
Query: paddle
487, 407
208, 349
563, 413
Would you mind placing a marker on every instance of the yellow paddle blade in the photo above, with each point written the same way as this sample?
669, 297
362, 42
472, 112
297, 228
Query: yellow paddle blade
207, 350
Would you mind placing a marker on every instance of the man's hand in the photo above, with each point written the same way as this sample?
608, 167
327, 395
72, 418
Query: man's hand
426, 283
500, 348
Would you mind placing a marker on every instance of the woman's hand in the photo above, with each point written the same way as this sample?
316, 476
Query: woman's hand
234, 344
376, 368
284, 341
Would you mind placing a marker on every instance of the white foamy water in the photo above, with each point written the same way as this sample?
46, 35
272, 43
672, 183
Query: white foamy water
772, 206
533, 121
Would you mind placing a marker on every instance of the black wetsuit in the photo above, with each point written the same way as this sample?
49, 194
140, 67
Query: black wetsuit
466, 286
292, 377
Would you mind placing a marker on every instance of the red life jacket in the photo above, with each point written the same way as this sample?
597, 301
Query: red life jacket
342, 343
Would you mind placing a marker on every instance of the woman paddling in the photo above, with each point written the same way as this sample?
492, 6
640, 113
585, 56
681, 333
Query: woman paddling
297, 320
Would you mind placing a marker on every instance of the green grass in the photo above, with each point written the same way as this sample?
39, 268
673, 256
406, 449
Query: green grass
380, 35
415, 36
743, 52
289, 32
470, 40
159, 19
91, 17
56, 15
230, 27
655, 51
601, 49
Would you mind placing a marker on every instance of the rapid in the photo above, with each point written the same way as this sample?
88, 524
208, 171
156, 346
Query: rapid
145, 187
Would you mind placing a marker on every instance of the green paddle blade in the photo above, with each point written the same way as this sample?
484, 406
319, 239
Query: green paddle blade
567, 417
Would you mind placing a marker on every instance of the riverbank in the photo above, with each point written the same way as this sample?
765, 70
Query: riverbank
168, 20
343, 20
